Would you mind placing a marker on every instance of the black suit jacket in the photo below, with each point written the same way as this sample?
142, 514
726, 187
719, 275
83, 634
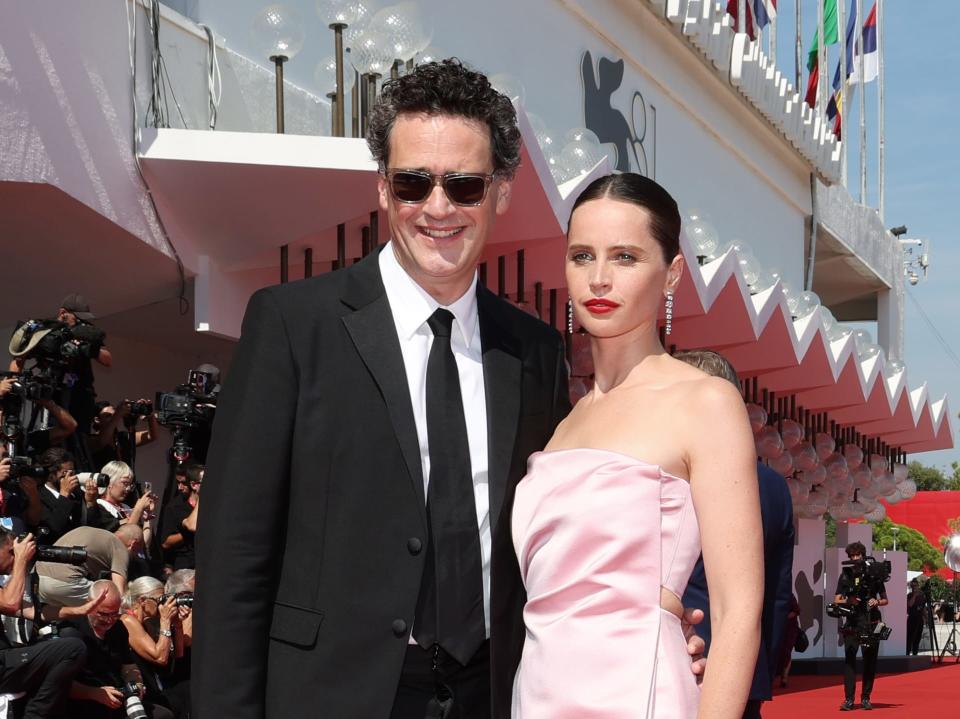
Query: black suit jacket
776, 513
313, 513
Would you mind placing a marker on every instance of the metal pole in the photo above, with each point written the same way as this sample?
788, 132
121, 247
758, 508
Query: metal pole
341, 246
374, 230
355, 105
278, 61
332, 97
284, 266
520, 275
821, 58
798, 67
395, 69
372, 92
365, 240
308, 262
858, 34
880, 111
844, 96
814, 220
364, 103
339, 123
772, 40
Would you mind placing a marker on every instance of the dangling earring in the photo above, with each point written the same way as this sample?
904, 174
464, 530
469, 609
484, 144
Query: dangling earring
569, 316
669, 312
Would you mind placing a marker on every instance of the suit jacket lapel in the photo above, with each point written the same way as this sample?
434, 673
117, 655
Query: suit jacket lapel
372, 329
502, 367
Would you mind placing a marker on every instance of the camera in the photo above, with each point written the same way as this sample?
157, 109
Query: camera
131, 701
31, 387
102, 480
865, 579
60, 555
188, 412
60, 343
25, 467
140, 409
180, 600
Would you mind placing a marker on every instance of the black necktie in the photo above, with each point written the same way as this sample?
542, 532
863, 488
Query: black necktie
450, 605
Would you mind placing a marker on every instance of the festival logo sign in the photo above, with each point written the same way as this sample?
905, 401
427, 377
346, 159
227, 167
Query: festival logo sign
634, 139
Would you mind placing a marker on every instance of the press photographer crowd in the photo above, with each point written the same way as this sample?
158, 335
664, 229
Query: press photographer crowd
97, 563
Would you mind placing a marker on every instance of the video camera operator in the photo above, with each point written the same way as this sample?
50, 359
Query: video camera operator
115, 435
64, 349
44, 670
110, 686
859, 596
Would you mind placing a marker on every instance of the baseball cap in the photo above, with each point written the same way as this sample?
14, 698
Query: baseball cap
77, 304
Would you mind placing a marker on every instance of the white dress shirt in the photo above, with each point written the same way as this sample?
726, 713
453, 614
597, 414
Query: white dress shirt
411, 307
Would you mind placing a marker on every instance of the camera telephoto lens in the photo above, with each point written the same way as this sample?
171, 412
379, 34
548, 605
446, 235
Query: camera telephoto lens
132, 703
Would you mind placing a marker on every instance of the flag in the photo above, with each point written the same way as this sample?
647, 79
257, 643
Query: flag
831, 37
871, 58
762, 10
835, 107
829, 32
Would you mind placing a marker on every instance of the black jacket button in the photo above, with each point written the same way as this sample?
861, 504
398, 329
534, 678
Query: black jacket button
414, 546
399, 627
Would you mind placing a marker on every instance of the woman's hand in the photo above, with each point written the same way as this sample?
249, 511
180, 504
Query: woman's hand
168, 611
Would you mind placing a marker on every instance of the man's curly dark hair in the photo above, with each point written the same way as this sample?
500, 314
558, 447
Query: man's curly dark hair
447, 87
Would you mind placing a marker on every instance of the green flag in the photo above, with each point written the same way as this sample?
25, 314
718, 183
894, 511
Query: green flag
829, 31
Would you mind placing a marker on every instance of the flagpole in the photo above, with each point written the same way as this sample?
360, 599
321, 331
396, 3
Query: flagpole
863, 120
844, 95
798, 72
880, 108
772, 39
821, 58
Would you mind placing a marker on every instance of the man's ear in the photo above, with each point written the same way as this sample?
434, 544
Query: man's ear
383, 193
504, 193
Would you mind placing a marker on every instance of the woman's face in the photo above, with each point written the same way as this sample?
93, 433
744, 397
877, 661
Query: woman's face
615, 269
150, 604
120, 488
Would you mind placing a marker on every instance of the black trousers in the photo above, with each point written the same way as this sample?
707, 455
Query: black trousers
752, 709
870, 652
914, 633
433, 685
44, 671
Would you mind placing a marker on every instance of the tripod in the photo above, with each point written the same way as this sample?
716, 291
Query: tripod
950, 646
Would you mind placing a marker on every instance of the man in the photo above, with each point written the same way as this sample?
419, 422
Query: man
115, 434
776, 514
107, 554
65, 507
916, 617
97, 691
356, 531
44, 671
866, 597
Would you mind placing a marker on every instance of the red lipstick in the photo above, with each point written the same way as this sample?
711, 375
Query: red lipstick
600, 306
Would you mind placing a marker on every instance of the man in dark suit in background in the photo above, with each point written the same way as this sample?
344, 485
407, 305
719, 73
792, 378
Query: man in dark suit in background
776, 513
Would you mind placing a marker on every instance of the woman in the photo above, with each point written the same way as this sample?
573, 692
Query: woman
608, 522
114, 509
153, 625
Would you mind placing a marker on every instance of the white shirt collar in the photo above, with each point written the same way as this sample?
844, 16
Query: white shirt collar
412, 305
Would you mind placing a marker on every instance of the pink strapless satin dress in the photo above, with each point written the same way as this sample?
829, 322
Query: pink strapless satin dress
597, 534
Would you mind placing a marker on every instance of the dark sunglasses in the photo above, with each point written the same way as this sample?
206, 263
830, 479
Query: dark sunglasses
414, 186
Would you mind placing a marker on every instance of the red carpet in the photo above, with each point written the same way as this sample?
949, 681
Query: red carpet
928, 693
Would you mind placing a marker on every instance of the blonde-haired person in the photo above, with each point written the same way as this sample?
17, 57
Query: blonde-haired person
153, 627
114, 511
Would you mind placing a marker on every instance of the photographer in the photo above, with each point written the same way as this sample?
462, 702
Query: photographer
115, 434
39, 440
176, 536
152, 619
107, 554
64, 506
110, 685
861, 589
181, 584
916, 616
45, 670
114, 511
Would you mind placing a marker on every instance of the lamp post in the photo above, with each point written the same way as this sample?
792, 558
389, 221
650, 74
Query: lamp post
338, 16
895, 531
278, 31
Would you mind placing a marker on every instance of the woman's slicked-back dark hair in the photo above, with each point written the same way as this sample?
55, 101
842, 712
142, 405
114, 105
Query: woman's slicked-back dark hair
448, 88
642, 192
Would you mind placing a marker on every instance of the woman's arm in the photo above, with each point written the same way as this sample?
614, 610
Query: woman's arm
723, 481
156, 652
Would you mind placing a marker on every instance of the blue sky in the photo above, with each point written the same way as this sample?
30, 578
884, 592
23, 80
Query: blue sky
922, 158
